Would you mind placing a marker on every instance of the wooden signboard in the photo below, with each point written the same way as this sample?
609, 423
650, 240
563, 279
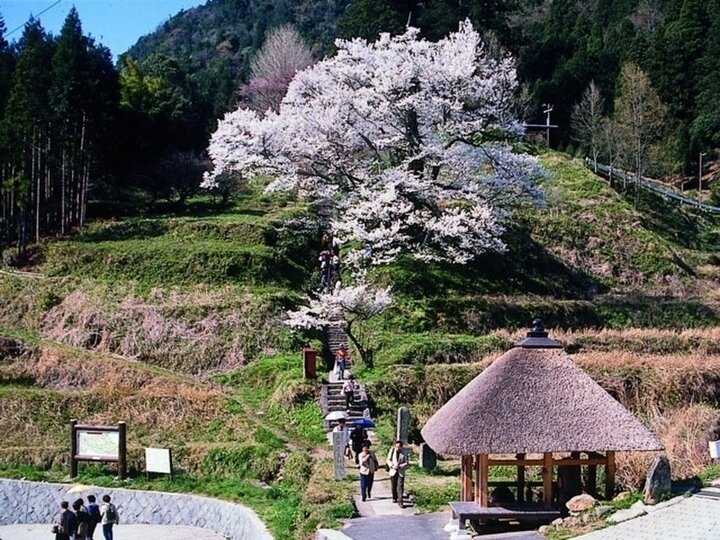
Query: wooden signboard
98, 443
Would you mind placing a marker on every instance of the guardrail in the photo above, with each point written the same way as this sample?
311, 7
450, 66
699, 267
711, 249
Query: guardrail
650, 184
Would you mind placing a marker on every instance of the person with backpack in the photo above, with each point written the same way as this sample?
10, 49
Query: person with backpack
83, 519
66, 524
95, 517
109, 517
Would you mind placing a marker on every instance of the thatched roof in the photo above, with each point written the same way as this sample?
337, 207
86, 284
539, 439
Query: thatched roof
534, 400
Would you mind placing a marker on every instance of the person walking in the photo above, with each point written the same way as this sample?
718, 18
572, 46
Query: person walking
368, 466
358, 438
66, 524
83, 519
108, 517
95, 517
397, 464
341, 357
349, 389
342, 428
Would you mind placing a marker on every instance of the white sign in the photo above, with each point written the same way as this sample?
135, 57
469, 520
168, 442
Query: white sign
158, 460
98, 445
714, 449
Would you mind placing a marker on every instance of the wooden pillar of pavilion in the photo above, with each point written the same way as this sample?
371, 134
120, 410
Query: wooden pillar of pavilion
547, 473
482, 462
520, 479
466, 479
609, 474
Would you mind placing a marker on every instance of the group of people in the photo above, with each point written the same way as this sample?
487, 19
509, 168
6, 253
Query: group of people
80, 522
358, 446
329, 260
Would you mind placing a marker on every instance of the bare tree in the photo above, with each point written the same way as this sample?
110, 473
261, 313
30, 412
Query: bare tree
610, 145
648, 16
283, 54
640, 116
586, 121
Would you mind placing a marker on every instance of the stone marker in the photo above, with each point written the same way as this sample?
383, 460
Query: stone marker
428, 457
658, 481
403, 424
339, 444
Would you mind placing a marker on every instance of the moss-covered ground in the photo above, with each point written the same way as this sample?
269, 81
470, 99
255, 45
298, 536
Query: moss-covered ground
171, 320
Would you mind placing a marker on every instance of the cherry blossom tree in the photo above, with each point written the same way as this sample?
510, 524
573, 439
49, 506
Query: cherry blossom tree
412, 139
344, 306
283, 54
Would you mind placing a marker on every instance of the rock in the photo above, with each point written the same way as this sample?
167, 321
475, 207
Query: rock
581, 503
544, 529
658, 482
624, 515
622, 496
715, 482
556, 522
601, 510
571, 521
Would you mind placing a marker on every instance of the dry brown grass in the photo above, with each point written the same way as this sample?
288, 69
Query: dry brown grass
193, 332
639, 340
685, 433
59, 384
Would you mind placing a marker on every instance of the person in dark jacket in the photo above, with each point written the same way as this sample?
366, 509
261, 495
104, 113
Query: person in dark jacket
357, 438
83, 519
94, 511
66, 525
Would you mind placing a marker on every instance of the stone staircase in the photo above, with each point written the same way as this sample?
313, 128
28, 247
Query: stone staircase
335, 337
336, 402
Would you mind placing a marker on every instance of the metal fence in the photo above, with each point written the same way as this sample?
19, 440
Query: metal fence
651, 185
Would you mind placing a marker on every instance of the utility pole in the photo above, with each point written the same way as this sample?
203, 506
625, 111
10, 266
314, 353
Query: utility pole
548, 108
700, 171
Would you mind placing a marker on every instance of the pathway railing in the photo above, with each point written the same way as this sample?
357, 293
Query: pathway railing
650, 184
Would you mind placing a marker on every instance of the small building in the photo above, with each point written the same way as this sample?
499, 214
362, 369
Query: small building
533, 406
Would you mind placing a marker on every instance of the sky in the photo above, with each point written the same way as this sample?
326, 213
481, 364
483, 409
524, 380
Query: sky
117, 24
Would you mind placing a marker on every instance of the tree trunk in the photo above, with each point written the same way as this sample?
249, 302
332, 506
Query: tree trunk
365, 354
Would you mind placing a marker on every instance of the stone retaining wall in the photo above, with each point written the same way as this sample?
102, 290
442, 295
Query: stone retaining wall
24, 502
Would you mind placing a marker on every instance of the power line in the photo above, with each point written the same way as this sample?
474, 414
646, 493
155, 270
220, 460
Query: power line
43, 11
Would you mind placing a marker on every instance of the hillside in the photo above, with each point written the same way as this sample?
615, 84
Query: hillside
172, 322
215, 42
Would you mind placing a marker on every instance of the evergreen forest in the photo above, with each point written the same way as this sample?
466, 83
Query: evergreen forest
77, 127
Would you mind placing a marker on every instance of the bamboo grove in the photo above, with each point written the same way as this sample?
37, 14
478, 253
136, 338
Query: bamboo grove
56, 94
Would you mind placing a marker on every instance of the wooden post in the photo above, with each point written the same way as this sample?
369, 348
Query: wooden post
122, 451
466, 468
482, 497
73, 450
547, 473
610, 475
520, 480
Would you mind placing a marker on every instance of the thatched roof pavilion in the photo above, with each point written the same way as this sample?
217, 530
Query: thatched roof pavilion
533, 400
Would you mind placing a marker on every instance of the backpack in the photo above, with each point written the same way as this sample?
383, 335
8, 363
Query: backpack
110, 514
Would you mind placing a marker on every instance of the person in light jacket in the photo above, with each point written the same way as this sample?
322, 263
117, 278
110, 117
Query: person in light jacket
397, 463
109, 517
368, 466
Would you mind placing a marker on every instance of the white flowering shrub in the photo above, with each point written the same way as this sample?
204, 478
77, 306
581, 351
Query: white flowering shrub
413, 139
344, 306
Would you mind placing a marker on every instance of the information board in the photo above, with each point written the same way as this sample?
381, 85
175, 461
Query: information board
98, 445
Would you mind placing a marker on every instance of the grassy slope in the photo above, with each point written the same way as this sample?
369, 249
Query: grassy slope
202, 293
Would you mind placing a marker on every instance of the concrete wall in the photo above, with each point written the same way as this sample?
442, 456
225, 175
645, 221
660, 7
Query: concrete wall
24, 502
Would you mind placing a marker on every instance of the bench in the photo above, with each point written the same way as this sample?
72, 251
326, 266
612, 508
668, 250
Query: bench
464, 511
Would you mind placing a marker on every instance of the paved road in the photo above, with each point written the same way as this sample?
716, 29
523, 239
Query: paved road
122, 532
695, 518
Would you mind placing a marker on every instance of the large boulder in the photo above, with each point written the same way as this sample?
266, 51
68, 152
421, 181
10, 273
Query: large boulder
580, 503
658, 483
